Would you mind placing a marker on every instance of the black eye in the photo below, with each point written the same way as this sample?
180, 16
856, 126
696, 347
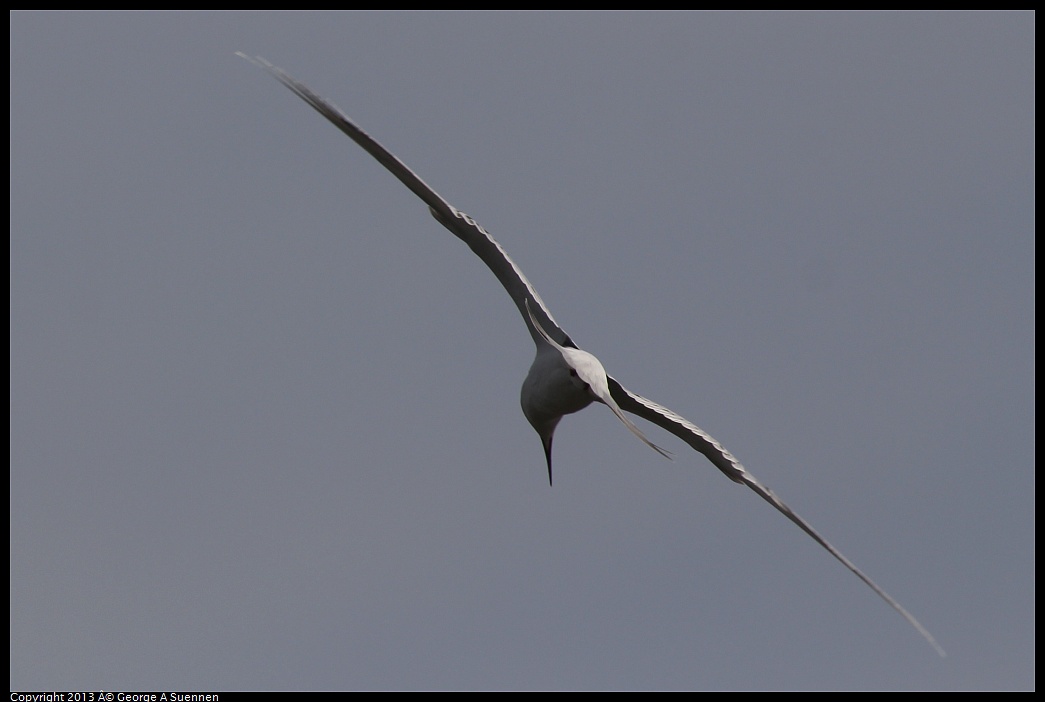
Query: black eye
573, 373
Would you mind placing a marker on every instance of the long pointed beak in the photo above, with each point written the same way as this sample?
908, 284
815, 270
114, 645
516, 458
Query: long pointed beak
548, 456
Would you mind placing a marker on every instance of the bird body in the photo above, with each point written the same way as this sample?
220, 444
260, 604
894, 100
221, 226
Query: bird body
551, 390
564, 379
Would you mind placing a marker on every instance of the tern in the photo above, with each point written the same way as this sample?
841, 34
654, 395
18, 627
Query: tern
563, 378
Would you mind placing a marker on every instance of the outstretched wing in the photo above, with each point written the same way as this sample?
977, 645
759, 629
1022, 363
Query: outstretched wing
463, 227
735, 471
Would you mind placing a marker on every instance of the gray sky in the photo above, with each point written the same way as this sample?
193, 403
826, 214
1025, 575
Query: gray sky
264, 409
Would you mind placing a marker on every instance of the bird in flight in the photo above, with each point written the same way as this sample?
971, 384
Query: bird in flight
563, 378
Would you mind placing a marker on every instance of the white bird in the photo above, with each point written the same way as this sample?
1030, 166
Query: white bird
564, 379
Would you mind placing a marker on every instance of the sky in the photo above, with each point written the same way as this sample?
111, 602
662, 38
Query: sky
265, 423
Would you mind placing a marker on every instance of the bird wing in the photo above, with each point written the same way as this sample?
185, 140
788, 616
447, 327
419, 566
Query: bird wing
735, 471
463, 227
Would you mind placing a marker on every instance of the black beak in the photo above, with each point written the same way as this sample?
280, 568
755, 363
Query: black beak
548, 456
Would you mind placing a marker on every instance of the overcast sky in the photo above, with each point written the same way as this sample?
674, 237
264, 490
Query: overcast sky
265, 427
